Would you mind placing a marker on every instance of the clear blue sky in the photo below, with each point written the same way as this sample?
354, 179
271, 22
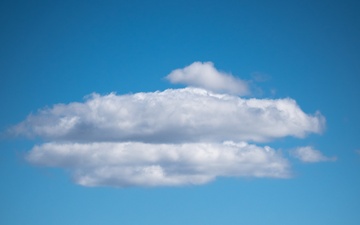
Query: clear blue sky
60, 51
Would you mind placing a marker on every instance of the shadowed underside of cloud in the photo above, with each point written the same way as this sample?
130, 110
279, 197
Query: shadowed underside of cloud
169, 138
141, 164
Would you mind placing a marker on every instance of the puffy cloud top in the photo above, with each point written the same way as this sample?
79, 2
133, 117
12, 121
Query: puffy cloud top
205, 75
180, 115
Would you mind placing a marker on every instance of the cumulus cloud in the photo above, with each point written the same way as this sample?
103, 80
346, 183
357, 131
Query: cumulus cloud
169, 138
172, 116
144, 164
310, 155
205, 75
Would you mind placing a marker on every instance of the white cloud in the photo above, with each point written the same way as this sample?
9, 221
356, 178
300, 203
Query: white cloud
143, 164
172, 116
172, 137
310, 155
205, 75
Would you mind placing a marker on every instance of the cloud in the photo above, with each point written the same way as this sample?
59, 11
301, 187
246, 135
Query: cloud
171, 116
173, 137
144, 164
205, 75
310, 155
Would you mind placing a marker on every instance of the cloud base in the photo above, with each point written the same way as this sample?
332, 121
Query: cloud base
143, 164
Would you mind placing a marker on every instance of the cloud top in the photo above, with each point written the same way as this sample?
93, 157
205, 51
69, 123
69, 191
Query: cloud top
172, 116
205, 75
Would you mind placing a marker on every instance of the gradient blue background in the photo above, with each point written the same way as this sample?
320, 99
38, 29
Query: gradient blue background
60, 51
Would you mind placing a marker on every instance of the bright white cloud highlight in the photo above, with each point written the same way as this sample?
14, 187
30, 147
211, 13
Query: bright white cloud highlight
205, 75
310, 155
172, 116
141, 164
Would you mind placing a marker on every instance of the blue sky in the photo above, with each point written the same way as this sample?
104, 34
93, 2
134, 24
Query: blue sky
60, 52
